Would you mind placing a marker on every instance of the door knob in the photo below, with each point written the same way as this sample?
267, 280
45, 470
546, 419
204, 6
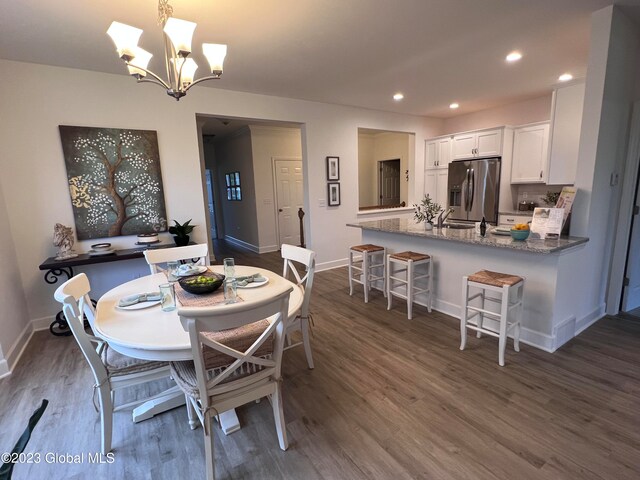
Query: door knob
280, 210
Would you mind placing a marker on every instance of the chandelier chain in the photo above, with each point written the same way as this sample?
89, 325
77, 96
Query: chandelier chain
164, 11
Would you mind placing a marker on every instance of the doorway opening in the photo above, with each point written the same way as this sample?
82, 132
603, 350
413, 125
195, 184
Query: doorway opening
388, 182
260, 153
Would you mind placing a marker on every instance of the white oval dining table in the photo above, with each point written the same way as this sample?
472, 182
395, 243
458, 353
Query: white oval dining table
151, 334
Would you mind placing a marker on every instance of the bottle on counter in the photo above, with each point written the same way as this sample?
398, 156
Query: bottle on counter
483, 227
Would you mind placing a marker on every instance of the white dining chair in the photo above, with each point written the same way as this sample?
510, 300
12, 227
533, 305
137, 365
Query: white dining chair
293, 255
237, 357
160, 256
111, 370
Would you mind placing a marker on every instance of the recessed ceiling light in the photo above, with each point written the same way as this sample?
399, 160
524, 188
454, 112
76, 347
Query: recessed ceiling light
565, 77
398, 96
513, 57
453, 106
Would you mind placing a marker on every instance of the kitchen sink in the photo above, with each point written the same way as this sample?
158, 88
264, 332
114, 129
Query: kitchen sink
459, 226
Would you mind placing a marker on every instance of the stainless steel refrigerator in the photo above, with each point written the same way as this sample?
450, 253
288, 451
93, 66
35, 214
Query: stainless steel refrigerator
474, 189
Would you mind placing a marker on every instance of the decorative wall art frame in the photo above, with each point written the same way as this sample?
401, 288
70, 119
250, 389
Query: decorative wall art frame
333, 194
234, 191
333, 168
115, 182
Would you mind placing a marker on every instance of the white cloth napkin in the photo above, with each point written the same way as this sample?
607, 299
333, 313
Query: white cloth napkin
139, 298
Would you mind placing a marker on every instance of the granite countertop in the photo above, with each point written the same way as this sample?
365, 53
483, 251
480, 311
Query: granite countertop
405, 226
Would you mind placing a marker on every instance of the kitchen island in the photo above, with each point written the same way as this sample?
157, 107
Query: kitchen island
548, 319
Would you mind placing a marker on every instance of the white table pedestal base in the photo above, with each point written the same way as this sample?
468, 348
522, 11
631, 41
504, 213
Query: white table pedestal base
173, 398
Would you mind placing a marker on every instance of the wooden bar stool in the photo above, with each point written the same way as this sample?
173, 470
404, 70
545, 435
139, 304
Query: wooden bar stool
363, 270
408, 261
504, 284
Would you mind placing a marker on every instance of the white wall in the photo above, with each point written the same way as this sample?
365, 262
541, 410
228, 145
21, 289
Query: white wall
234, 154
366, 170
269, 144
609, 95
34, 177
519, 113
14, 318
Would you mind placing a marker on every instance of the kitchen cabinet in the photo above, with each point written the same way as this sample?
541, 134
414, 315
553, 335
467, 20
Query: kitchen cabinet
514, 219
483, 143
435, 185
566, 122
530, 150
437, 152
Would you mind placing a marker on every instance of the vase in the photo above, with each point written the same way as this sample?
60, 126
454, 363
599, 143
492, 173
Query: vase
181, 241
428, 226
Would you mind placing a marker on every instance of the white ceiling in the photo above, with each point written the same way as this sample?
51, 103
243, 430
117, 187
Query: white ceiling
350, 52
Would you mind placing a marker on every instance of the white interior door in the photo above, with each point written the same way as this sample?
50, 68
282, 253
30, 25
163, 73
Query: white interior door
389, 182
289, 198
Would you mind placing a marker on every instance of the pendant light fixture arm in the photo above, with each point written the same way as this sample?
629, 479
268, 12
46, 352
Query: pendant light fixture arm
157, 80
210, 77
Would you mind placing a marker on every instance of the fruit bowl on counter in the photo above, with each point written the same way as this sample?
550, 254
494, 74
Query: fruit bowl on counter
520, 231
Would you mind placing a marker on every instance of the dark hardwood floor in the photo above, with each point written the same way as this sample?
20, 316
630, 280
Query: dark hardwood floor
389, 399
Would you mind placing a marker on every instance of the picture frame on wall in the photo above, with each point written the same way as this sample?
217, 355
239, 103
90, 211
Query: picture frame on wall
333, 168
333, 194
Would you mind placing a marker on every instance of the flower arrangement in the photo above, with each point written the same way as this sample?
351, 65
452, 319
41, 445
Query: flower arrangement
426, 210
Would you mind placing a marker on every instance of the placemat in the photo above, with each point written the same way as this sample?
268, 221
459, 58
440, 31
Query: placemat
187, 299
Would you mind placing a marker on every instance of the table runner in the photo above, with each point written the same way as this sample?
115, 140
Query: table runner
187, 299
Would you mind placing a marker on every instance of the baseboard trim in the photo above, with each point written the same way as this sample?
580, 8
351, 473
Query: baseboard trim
268, 249
42, 323
242, 244
343, 262
17, 349
589, 319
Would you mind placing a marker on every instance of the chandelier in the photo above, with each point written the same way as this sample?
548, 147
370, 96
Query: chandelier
177, 47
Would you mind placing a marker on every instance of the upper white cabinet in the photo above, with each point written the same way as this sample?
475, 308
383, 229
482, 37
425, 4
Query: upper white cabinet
530, 149
566, 122
437, 152
483, 143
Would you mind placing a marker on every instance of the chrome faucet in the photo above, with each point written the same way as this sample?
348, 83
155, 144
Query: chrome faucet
446, 214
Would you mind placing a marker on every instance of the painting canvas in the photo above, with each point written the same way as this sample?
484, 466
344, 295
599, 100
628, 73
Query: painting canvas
115, 181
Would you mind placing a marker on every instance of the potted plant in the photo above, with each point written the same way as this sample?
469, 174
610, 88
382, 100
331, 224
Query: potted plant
551, 198
181, 232
426, 211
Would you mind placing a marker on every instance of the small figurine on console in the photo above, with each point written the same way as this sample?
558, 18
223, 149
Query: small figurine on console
63, 239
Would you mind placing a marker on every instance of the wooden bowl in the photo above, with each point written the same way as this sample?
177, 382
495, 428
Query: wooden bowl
202, 284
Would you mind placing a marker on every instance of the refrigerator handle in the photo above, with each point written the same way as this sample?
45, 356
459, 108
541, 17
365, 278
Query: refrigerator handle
465, 191
472, 188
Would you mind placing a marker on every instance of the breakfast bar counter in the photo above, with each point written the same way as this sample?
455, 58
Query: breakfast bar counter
549, 318
406, 226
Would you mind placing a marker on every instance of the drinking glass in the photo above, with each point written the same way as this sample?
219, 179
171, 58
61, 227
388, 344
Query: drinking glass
172, 268
229, 268
168, 293
230, 289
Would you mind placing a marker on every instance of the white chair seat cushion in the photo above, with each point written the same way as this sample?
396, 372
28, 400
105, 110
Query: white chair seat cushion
118, 364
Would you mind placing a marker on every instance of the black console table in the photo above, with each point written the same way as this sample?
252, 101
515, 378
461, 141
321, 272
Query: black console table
54, 269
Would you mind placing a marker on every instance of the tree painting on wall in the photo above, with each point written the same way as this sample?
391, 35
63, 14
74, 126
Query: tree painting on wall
115, 181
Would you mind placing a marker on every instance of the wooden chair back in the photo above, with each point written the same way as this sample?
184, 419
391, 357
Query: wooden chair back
160, 256
248, 369
74, 297
302, 256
